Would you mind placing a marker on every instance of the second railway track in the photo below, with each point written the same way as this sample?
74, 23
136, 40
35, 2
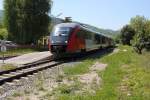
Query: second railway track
29, 69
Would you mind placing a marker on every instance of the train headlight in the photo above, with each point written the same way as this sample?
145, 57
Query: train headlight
66, 41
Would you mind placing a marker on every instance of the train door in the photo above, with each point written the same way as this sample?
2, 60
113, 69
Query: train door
97, 40
89, 41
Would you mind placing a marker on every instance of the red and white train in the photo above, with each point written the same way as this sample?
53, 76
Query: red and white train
75, 37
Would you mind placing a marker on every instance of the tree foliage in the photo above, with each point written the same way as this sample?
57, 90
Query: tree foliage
27, 20
147, 32
141, 27
127, 33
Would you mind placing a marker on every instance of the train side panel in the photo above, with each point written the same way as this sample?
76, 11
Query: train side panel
92, 40
75, 43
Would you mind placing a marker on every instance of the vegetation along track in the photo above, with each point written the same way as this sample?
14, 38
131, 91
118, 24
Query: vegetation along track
10, 75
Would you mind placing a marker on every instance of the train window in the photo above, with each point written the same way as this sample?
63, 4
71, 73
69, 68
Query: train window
81, 34
103, 39
88, 34
84, 34
61, 31
97, 38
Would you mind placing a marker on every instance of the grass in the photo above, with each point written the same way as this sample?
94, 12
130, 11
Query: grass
138, 78
16, 52
127, 77
63, 89
79, 68
7, 67
17, 94
40, 83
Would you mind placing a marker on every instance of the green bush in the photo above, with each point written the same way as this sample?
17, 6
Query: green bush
3, 33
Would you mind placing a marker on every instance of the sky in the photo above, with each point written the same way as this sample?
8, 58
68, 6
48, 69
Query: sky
107, 14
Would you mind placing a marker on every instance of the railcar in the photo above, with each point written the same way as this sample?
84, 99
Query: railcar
74, 37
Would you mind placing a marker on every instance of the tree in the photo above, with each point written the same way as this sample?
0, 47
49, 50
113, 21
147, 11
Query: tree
117, 38
138, 42
139, 24
147, 33
27, 20
10, 15
127, 33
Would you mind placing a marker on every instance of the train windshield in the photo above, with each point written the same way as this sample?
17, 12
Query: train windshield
61, 31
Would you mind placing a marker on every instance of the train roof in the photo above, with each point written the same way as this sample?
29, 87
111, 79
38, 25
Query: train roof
84, 26
72, 25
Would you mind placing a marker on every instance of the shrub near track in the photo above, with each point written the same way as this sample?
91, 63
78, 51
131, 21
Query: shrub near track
126, 77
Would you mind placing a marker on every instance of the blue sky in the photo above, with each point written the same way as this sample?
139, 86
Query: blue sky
108, 14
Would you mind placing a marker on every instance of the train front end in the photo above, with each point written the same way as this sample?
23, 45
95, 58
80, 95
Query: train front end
59, 39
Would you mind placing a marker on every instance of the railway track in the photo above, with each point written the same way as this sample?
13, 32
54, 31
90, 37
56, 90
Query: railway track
9, 79
29, 69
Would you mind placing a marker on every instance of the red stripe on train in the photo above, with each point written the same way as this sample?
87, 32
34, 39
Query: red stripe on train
49, 45
75, 43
